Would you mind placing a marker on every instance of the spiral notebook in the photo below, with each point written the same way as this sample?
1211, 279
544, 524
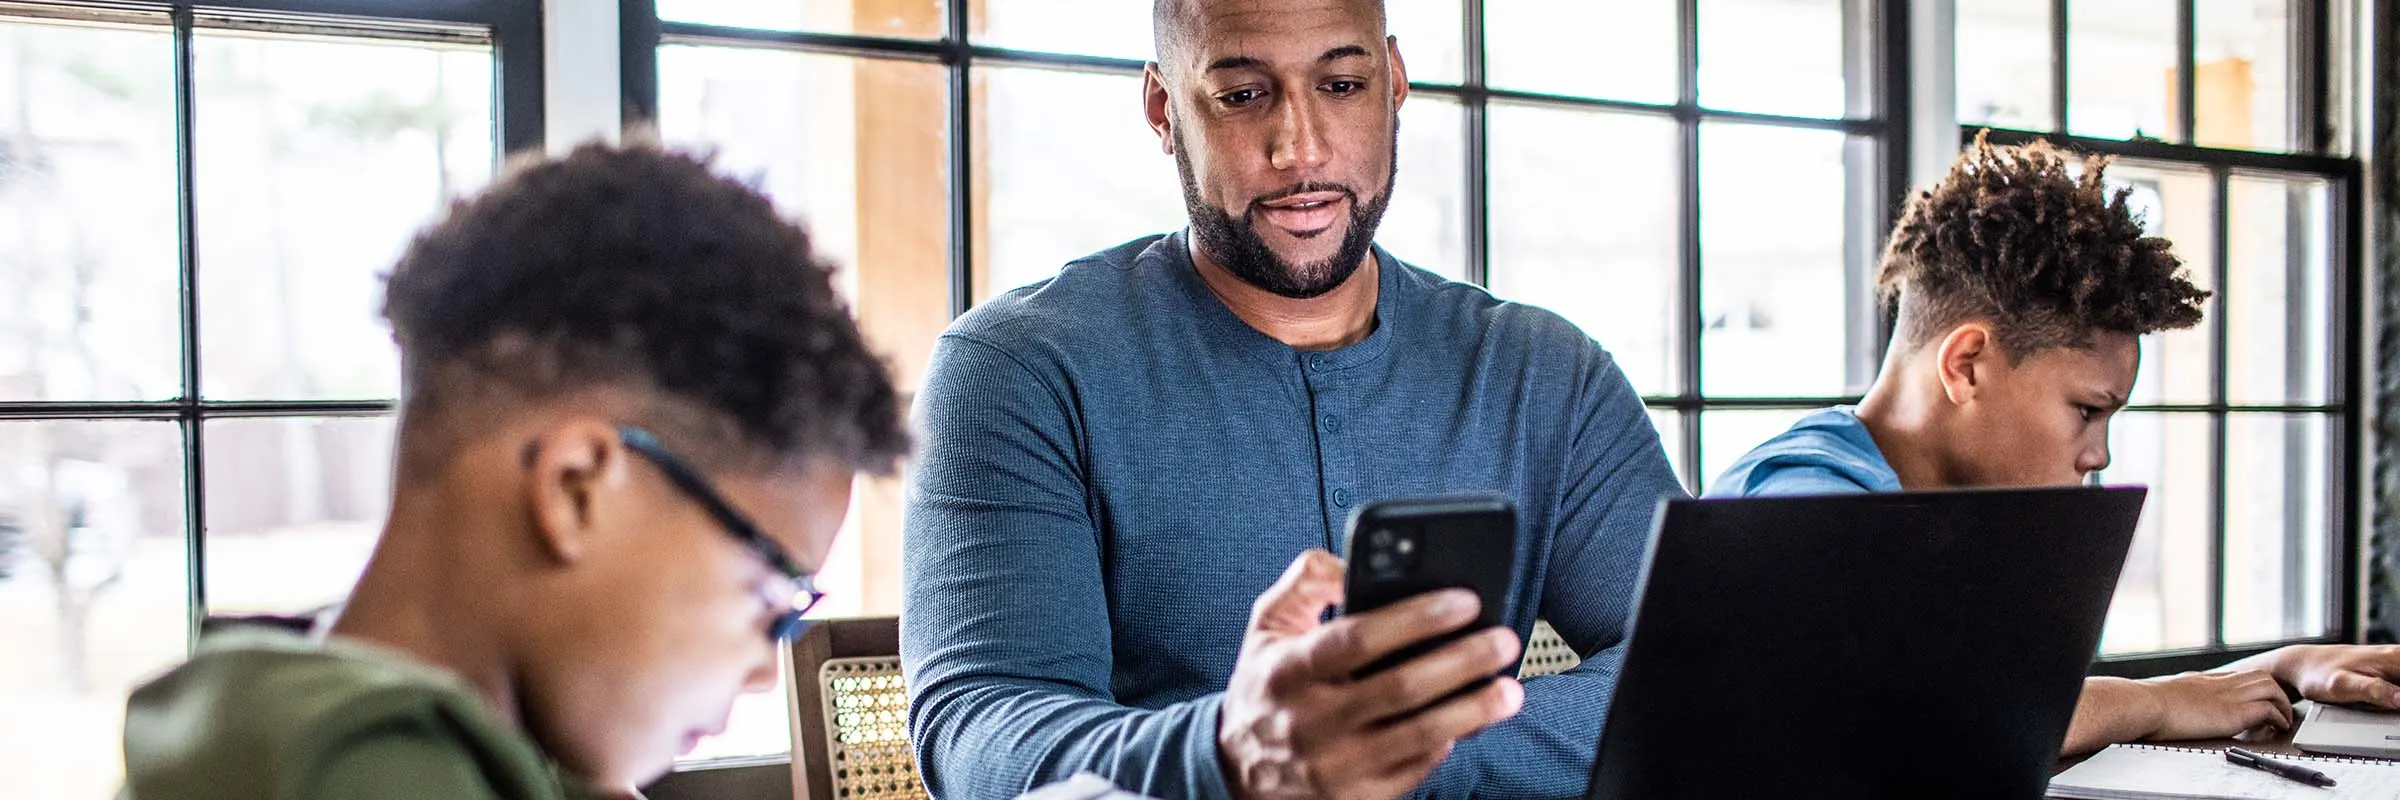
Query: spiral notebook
2150, 772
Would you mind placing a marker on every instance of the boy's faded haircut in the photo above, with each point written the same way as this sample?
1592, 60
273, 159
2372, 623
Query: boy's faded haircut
2012, 237
638, 271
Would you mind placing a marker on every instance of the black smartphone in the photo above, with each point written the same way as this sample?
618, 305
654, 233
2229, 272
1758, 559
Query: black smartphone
1405, 547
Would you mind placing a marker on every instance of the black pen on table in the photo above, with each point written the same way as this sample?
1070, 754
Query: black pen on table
2263, 763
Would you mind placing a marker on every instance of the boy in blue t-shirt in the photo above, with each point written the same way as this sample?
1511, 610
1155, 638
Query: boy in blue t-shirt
2021, 292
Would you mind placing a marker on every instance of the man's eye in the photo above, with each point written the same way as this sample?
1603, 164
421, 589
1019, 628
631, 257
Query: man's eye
1345, 86
1240, 97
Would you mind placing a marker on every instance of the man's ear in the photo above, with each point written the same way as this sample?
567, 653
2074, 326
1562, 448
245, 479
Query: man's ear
1966, 360
1391, 46
1154, 107
568, 469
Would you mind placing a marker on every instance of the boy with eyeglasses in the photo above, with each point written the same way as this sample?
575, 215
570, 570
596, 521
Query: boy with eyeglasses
633, 409
2022, 289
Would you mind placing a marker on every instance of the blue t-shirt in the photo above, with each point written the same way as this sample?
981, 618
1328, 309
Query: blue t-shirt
1115, 466
1828, 452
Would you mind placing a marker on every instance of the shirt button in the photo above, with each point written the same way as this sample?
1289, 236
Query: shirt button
1341, 497
1332, 424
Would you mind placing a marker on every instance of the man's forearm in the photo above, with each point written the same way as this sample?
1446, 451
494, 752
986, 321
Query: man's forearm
1546, 750
1000, 737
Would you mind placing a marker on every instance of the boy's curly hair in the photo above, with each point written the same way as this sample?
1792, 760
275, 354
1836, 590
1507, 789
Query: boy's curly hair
2010, 236
637, 269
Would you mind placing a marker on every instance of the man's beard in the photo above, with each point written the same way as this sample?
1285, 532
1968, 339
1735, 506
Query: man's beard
1236, 245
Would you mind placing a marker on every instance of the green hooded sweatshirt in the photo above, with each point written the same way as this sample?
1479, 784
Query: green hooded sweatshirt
274, 716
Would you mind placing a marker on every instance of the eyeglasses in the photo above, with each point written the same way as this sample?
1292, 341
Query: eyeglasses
803, 594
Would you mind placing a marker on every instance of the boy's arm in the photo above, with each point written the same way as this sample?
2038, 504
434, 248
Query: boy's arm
2334, 673
2193, 705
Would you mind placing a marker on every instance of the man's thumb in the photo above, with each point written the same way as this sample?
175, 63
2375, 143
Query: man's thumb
1298, 599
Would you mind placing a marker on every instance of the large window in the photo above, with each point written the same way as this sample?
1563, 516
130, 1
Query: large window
196, 200
1699, 185
195, 206
2244, 427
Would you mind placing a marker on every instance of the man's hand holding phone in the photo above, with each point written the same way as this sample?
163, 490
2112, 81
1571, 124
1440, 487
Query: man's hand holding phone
1296, 723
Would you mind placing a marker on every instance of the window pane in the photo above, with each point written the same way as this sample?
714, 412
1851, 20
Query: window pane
2162, 597
850, 591
1072, 169
1429, 36
2004, 64
1428, 30
316, 161
2176, 203
294, 507
1773, 293
1426, 224
1772, 56
758, 725
1082, 27
923, 19
856, 149
2121, 68
855, 585
93, 592
88, 246
1670, 438
1726, 436
1617, 51
2280, 302
1609, 264
2242, 63
2277, 532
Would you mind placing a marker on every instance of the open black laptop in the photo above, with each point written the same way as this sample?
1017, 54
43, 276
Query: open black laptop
1862, 646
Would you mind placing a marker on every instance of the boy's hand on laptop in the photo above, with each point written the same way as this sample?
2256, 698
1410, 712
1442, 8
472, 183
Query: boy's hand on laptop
2214, 705
2336, 673
1294, 724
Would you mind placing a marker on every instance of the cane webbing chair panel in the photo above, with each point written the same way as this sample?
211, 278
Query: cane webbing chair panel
1546, 653
866, 726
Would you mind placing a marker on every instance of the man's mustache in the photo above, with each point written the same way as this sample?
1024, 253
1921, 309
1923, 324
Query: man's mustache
1297, 189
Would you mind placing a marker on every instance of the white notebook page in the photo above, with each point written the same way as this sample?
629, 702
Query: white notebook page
2146, 771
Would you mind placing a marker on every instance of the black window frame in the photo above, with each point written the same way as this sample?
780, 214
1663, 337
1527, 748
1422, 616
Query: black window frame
2316, 122
1881, 26
513, 28
1889, 26
1885, 34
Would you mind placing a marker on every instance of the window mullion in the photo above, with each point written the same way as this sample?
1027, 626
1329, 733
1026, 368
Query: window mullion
195, 496
1476, 101
2220, 191
2058, 64
2187, 81
960, 60
1688, 228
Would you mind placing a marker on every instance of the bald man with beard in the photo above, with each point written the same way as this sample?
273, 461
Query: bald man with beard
1120, 534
